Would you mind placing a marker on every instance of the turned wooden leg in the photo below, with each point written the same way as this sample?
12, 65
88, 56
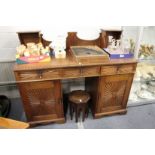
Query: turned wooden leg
76, 114
71, 111
83, 113
87, 110
79, 111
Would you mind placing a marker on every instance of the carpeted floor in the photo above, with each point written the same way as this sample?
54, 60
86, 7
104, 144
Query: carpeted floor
139, 117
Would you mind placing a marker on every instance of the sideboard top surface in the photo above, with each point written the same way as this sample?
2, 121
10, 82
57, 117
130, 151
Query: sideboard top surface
70, 61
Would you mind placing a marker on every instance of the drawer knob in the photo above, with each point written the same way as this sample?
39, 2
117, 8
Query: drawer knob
40, 74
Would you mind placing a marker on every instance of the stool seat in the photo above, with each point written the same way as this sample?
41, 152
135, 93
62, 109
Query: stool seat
79, 103
79, 97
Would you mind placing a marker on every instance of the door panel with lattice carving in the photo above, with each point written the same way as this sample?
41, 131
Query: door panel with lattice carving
42, 100
114, 92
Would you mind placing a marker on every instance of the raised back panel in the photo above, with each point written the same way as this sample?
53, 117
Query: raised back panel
116, 35
35, 37
45, 42
27, 37
73, 40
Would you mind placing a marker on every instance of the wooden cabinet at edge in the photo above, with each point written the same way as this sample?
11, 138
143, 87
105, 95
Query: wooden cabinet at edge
42, 101
109, 93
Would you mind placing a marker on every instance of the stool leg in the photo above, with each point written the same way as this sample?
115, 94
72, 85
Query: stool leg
83, 113
76, 114
87, 110
79, 111
71, 112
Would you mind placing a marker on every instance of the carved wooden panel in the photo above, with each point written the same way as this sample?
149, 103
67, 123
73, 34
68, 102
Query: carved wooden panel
36, 37
114, 91
42, 100
73, 40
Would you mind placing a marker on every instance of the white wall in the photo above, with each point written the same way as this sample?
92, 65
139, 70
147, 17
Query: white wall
149, 35
9, 41
130, 32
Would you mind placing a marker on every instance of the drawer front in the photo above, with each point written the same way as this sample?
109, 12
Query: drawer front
51, 74
108, 70
90, 71
70, 72
40, 75
28, 75
126, 69
121, 69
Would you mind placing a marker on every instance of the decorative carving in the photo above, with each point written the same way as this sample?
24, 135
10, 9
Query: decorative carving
113, 93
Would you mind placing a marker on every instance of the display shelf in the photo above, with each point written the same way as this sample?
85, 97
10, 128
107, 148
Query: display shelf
147, 43
143, 88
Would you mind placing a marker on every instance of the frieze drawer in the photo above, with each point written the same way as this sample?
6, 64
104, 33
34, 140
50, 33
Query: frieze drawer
108, 70
119, 69
39, 75
90, 71
123, 69
28, 75
71, 72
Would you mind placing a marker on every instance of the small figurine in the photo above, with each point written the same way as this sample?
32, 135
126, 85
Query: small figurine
20, 50
113, 43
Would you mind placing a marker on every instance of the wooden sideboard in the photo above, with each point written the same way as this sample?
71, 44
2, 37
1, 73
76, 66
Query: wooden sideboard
108, 82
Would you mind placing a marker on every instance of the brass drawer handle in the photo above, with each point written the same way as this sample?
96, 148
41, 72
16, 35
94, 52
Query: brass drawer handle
40, 74
118, 69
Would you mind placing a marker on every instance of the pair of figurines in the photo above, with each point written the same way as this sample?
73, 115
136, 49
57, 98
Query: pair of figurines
114, 43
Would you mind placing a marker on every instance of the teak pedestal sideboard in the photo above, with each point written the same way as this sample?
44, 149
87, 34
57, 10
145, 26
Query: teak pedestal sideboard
108, 82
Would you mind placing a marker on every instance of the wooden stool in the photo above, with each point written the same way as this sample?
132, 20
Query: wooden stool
79, 103
12, 124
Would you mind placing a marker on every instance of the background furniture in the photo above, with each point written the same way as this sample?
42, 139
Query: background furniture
5, 105
12, 124
78, 101
108, 82
143, 88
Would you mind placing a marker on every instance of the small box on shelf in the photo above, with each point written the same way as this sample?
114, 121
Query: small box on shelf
118, 53
33, 59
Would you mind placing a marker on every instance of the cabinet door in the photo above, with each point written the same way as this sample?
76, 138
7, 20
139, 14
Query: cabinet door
113, 92
42, 100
